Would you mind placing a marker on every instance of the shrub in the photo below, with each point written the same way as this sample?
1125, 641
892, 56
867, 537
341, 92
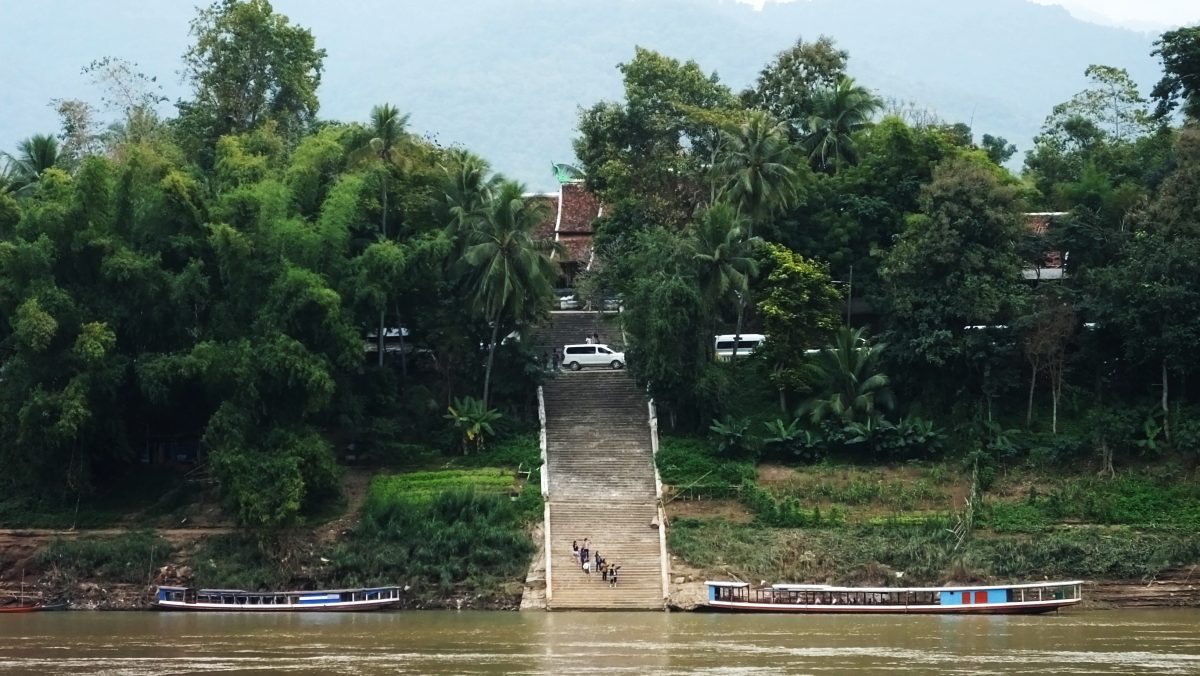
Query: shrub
243, 561
454, 541
1014, 517
691, 466
518, 450
127, 558
733, 438
785, 511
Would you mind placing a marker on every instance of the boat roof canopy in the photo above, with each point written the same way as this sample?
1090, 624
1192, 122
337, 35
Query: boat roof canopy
727, 584
265, 593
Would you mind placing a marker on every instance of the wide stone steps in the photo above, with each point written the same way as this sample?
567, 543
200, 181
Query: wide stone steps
573, 327
600, 477
624, 533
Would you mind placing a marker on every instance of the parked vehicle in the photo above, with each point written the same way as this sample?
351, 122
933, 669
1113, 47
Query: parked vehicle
747, 343
576, 357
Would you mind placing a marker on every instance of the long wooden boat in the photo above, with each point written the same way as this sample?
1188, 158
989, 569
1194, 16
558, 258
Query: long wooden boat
1011, 599
31, 605
239, 600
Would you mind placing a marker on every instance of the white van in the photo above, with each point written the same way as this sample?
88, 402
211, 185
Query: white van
747, 343
576, 357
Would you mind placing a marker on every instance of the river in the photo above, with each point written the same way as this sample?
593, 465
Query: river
444, 642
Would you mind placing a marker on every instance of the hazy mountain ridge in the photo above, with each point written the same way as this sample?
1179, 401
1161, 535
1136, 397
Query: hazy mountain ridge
507, 79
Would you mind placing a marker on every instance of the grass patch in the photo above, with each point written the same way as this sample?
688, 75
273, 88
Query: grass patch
416, 486
1129, 500
923, 552
128, 558
691, 467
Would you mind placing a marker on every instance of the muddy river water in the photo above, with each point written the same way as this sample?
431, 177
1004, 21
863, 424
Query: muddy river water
443, 642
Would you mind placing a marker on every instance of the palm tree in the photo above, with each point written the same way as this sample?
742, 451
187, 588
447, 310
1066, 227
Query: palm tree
838, 114
722, 250
756, 160
387, 125
511, 271
468, 189
34, 156
385, 146
847, 380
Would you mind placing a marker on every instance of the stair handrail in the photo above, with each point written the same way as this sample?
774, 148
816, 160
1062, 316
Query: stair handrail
545, 480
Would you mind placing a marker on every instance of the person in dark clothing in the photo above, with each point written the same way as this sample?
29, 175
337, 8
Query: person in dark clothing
557, 359
612, 576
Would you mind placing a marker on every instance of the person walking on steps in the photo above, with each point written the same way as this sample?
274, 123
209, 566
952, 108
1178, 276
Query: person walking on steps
612, 576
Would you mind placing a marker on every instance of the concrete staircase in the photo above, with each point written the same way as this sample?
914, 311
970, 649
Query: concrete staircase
601, 485
572, 327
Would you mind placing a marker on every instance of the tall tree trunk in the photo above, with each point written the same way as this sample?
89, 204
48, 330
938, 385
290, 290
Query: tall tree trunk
403, 358
782, 401
737, 332
1054, 392
1029, 407
487, 374
381, 332
383, 233
1166, 409
383, 213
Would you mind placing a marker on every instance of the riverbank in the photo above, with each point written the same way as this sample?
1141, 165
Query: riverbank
453, 531
463, 538
1135, 538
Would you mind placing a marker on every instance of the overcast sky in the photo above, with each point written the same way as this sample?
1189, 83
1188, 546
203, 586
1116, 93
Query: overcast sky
1136, 14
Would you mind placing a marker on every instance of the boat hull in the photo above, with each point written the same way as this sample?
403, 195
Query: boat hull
1016, 608
350, 606
39, 608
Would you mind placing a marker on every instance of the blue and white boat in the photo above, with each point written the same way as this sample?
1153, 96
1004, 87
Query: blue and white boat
239, 600
1008, 599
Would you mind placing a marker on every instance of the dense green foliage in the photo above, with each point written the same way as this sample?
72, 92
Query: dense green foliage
1064, 291
218, 281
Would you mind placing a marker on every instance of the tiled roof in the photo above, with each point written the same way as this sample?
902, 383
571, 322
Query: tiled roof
577, 247
570, 223
580, 209
545, 229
